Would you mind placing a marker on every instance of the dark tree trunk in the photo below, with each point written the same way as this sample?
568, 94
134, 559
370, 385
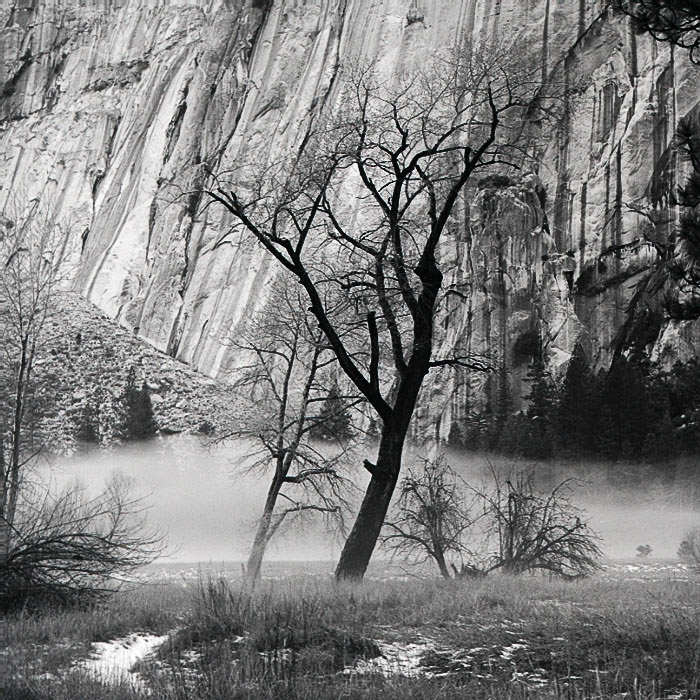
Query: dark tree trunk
442, 564
360, 545
362, 540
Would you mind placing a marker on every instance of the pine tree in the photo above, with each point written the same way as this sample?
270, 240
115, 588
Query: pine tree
624, 422
659, 444
455, 437
138, 421
88, 428
687, 257
540, 413
578, 407
513, 439
675, 21
334, 423
682, 384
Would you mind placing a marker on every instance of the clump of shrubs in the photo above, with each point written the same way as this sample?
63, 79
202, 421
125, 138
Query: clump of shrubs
72, 547
510, 524
689, 550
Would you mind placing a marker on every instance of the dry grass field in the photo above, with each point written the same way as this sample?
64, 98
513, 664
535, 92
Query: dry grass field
632, 631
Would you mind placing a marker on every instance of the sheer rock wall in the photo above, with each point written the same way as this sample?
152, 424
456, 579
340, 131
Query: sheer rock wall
113, 111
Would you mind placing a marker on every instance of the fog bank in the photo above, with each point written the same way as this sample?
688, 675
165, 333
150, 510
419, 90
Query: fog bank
208, 506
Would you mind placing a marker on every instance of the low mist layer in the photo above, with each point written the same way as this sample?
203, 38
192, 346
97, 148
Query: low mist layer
206, 502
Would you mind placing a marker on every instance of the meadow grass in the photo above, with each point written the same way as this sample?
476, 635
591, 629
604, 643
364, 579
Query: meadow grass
307, 638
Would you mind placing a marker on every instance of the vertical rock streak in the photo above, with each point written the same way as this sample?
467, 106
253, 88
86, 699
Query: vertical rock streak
113, 111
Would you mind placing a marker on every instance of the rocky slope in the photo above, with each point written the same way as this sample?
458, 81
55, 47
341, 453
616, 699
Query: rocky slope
83, 367
113, 111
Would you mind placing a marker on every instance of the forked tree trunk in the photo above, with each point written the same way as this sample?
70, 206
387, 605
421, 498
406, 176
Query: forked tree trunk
362, 540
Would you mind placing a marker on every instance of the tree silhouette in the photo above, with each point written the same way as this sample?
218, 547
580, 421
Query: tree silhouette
432, 518
513, 525
373, 282
287, 375
578, 407
138, 421
334, 423
541, 411
624, 415
536, 530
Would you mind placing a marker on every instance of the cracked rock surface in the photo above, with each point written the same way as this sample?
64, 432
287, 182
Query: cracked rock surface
113, 111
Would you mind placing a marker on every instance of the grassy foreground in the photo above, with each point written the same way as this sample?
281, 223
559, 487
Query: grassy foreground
495, 638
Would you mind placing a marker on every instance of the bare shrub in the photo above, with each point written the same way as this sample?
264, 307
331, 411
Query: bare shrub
432, 517
71, 546
508, 525
538, 530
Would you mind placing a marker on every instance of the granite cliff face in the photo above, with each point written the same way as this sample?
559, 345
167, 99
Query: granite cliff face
113, 112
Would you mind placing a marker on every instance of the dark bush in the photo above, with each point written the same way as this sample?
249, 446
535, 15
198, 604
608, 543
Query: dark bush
73, 548
138, 421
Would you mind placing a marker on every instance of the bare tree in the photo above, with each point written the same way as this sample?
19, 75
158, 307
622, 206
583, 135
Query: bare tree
287, 381
30, 257
371, 274
538, 530
433, 516
72, 546
507, 525
60, 546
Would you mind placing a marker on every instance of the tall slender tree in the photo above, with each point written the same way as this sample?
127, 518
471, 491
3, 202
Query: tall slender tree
30, 257
287, 378
63, 546
372, 274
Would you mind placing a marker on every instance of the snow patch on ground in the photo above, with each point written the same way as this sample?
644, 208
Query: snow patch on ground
396, 659
112, 662
509, 651
643, 571
531, 679
429, 659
